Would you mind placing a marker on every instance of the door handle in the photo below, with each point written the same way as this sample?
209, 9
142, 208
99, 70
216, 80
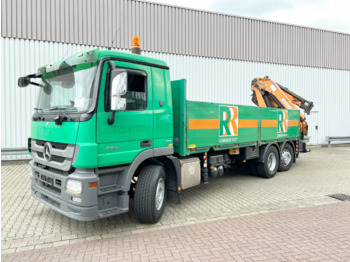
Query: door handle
146, 143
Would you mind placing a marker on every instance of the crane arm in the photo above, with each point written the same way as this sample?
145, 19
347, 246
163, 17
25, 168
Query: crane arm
298, 100
267, 93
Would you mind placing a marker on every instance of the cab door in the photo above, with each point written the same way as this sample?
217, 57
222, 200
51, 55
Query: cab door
132, 130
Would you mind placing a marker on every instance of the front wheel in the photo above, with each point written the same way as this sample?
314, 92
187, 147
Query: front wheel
150, 193
269, 168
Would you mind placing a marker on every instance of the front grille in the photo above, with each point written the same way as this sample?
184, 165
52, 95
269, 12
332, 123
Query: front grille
57, 171
58, 182
61, 155
58, 159
60, 146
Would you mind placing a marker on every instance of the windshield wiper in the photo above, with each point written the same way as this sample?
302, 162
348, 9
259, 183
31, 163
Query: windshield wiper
38, 109
58, 108
59, 119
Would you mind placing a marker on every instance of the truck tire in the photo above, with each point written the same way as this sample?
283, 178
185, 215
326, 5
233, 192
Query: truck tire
252, 169
269, 167
150, 194
287, 158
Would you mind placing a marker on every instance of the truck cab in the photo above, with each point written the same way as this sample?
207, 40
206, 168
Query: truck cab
99, 116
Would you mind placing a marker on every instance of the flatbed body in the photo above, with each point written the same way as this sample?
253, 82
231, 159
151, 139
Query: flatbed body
201, 126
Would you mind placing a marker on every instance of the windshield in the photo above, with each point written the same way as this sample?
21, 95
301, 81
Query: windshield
67, 89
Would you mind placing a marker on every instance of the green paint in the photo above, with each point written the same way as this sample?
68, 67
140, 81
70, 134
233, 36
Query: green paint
162, 108
86, 141
129, 128
49, 131
280, 132
179, 114
204, 139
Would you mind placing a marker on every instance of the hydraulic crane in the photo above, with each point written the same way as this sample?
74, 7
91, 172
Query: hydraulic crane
268, 93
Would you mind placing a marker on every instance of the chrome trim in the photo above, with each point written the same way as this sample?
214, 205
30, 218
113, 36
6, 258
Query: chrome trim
67, 154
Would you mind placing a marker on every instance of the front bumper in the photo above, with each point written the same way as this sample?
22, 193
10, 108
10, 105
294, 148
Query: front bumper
48, 186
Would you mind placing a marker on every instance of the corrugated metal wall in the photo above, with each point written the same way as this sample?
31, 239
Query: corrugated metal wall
174, 30
19, 58
208, 79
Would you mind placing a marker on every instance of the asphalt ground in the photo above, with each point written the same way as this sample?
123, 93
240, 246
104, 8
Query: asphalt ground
27, 225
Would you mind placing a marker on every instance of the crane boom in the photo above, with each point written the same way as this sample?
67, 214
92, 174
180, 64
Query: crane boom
267, 93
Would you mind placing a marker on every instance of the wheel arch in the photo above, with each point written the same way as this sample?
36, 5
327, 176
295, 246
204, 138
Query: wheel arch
125, 178
172, 168
170, 163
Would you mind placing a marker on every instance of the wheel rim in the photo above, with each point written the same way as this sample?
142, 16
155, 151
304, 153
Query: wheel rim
160, 193
286, 157
271, 162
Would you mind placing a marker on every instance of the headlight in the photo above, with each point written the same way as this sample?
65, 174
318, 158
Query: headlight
74, 186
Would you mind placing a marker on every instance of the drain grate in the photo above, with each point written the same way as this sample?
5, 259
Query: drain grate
341, 197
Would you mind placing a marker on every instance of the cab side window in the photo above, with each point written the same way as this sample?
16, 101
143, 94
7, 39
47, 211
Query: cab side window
136, 95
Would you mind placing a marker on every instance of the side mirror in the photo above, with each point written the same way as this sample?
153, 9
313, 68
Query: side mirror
23, 81
119, 85
118, 103
119, 82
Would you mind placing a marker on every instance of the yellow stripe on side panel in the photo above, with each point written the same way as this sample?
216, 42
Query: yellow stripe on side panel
268, 123
203, 123
214, 123
293, 122
247, 123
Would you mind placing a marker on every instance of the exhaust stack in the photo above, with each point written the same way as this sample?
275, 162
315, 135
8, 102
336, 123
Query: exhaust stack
135, 45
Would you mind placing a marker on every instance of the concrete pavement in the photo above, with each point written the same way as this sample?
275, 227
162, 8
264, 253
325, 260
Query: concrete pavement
29, 225
309, 234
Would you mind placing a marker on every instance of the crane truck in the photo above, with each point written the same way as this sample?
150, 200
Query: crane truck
110, 127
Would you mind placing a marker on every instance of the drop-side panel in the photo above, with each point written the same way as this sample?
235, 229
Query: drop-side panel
199, 126
220, 126
279, 124
178, 92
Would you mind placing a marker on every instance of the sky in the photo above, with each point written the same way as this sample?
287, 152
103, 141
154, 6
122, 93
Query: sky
331, 15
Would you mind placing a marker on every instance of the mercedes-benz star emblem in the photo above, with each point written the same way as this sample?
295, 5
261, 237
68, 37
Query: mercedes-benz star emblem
47, 151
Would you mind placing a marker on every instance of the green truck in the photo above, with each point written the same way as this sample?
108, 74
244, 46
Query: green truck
110, 126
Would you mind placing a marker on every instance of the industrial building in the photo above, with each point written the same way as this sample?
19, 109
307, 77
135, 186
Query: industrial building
219, 55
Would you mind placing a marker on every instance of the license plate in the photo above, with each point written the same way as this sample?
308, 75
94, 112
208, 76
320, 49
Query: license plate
46, 179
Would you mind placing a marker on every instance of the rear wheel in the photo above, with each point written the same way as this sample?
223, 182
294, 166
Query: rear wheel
269, 168
150, 193
287, 157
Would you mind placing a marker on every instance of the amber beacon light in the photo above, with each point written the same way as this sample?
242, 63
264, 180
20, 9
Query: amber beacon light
135, 46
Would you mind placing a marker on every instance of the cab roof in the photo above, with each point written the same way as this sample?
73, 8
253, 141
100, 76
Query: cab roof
95, 55
130, 56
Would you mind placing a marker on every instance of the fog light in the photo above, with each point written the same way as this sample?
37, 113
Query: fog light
76, 199
74, 186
